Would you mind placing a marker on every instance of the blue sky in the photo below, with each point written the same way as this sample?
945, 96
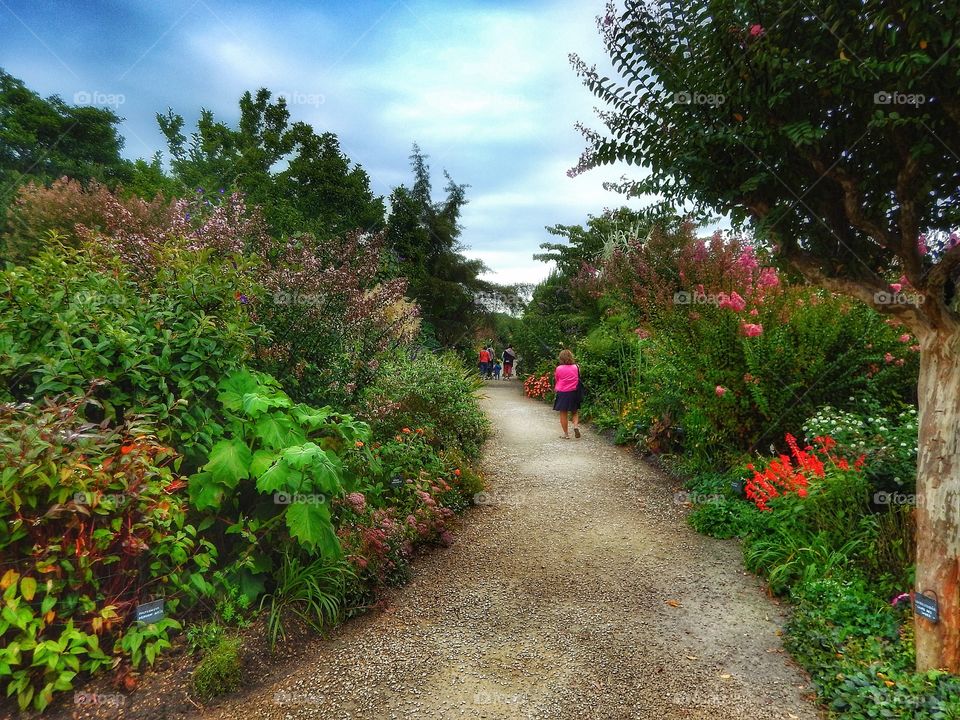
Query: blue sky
485, 88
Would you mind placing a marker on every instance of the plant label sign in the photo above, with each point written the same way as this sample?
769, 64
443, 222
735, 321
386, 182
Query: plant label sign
150, 612
926, 607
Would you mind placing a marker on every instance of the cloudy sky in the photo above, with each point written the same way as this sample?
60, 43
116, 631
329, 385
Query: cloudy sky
485, 88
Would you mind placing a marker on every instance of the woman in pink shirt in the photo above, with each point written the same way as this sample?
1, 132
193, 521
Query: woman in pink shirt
567, 387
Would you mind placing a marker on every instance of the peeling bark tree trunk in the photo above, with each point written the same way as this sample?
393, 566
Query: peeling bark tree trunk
938, 500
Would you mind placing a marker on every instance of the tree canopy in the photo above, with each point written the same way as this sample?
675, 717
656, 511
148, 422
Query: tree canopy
301, 178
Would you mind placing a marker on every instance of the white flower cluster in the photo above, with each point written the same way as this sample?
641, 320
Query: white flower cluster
866, 433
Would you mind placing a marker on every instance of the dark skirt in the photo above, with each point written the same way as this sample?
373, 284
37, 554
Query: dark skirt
569, 401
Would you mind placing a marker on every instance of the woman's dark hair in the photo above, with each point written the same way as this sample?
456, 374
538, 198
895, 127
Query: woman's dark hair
566, 357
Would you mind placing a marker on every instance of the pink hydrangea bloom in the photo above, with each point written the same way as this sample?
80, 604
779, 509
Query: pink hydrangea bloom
720, 391
751, 329
896, 287
756, 30
904, 338
754, 312
888, 358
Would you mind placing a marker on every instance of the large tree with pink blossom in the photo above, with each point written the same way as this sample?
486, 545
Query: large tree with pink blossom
833, 130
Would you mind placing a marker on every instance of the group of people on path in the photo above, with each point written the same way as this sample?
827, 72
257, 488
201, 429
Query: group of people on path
567, 383
494, 368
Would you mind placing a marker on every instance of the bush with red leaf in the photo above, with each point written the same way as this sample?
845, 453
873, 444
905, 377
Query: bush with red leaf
92, 522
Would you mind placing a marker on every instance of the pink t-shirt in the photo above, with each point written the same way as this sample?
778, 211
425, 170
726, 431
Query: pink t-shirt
566, 377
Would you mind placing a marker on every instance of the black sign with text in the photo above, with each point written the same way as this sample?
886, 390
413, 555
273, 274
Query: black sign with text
150, 612
926, 607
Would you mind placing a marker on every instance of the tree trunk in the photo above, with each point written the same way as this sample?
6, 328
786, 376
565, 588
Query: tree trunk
938, 500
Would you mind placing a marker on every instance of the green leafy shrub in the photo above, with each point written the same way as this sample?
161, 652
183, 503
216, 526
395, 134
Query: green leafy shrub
204, 636
830, 528
859, 651
67, 320
725, 518
220, 670
92, 525
435, 392
278, 461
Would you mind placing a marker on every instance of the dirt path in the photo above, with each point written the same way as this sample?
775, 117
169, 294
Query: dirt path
556, 601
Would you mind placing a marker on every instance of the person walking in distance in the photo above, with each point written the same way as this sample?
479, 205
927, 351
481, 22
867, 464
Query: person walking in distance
567, 386
508, 357
484, 362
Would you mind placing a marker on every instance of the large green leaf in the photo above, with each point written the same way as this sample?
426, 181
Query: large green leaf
321, 468
255, 404
301, 456
279, 477
235, 387
262, 460
205, 493
311, 417
229, 462
310, 524
276, 430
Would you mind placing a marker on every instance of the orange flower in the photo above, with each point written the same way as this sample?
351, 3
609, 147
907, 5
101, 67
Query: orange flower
126, 449
359, 443
406, 431
457, 472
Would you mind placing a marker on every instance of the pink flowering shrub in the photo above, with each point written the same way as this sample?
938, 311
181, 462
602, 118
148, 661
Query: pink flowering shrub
736, 356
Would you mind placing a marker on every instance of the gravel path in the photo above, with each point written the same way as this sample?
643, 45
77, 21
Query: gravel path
575, 591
